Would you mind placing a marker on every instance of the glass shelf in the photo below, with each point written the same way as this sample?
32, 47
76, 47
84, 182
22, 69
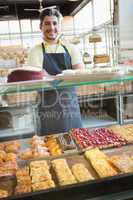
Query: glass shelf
27, 86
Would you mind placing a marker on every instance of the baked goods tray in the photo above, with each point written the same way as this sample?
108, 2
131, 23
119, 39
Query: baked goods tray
84, 190
103, 138
51, 145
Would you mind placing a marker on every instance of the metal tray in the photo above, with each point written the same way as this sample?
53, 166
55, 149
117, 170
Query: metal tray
89, 189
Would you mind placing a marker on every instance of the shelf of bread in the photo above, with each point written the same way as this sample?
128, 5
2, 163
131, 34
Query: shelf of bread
101, 58
13, 55
72, 169
37, 147
19, 98
85, 75
94, 38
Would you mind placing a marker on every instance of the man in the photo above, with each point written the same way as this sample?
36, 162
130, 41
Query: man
59, 109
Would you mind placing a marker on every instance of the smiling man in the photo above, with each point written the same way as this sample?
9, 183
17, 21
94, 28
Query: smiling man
59, 109
50, 28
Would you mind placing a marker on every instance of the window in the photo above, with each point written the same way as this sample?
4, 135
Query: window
35, 25
25, 25
4, 27
83, 19
14, 26
102, 11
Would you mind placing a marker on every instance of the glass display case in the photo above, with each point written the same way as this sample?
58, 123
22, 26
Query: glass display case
95, 111
19, 134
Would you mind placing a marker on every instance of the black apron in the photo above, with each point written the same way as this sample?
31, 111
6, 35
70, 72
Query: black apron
59, 109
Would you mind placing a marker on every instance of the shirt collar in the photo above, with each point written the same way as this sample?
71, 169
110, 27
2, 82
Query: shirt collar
46, 44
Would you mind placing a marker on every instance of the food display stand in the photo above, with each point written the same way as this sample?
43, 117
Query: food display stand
111, 185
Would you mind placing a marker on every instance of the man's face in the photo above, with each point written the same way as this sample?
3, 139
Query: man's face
50, 28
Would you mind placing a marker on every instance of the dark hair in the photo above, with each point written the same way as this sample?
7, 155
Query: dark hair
49, 12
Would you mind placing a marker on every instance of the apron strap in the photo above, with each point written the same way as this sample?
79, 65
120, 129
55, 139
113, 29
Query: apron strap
66, 51
43, 48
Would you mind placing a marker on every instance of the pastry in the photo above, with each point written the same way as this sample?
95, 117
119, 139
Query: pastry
37, 170
123, 162
53, 146
35, 137
2, 146
12, 146
39, 164
55, 152
23, 180
3, 193
40, 154
10, 157
40, 175
95, 38
1, 161
125, 131
40, 151
37, 141
2, 155
27, 154
43, 185
101, 58
43, 175
81, 173
100, 163
24, 171
8, 168
22, 189
63, 172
